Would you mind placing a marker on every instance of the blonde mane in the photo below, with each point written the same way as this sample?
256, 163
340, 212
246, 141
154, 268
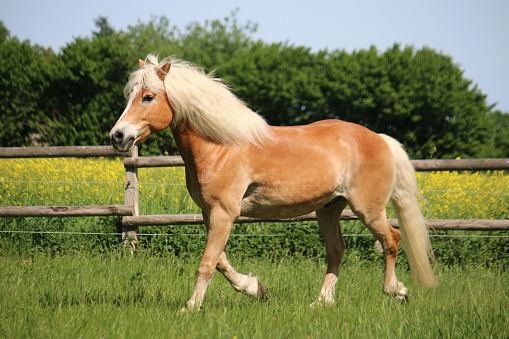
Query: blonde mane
201, 101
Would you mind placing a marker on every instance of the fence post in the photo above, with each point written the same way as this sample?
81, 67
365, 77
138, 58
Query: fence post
130, 234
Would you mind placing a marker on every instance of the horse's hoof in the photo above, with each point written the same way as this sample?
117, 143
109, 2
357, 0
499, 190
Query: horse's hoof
262, 291
321, 302
404, 299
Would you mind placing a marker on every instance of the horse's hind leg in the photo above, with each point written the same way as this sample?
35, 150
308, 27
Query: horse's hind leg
392, 286
328, 220
241, 282
389, 239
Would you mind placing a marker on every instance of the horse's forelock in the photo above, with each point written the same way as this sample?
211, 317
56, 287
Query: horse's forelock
145, 77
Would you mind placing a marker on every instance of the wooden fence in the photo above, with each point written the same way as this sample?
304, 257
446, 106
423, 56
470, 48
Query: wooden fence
131, 220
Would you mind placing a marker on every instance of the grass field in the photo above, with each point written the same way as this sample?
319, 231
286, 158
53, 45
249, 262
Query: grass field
86, 286
116, 296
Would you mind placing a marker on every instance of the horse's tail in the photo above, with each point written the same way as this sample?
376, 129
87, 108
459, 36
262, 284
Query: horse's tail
415, 237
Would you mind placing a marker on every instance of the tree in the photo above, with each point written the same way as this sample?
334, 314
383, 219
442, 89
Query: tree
421, 98
156, 36
500, 135
418, 96
4, 32
278, 80
85, 95
24, 73
104, 27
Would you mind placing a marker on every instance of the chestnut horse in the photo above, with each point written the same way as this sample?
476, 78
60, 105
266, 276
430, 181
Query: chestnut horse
237, 165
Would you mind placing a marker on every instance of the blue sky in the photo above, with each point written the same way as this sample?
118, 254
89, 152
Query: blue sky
474, 33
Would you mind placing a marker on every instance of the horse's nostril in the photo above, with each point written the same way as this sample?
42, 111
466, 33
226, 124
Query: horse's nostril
118, 136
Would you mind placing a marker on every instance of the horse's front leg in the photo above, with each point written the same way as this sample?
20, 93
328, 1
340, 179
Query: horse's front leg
241, 282
219, 224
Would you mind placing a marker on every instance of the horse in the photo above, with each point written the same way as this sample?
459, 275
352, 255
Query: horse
238, 165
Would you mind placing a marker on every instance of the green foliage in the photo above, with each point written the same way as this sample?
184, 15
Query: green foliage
419, 97
156, 36
23, 76
276, 80
272, 241
500, 136
4, 32
86, 90
56, 235
214, 43
74, 97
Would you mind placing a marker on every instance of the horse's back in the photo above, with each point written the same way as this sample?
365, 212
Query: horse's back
341, 140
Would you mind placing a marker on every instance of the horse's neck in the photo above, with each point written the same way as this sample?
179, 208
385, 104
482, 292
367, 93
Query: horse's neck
194, 148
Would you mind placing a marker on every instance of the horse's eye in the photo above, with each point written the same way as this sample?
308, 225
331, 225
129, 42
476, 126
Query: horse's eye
147, 98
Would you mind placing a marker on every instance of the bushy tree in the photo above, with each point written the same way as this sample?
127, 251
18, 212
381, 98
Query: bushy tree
86, 91
4, 32
279, 81
215, 43
24, 73
500, 136
419, 97
156, 36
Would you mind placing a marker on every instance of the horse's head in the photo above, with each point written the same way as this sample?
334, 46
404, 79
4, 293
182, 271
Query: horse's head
148, 109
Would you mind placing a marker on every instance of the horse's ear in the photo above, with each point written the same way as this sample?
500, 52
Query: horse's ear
166, 67
141, 63
163, 71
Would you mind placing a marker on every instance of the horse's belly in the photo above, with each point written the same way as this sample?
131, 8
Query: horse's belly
276, 212
262, 204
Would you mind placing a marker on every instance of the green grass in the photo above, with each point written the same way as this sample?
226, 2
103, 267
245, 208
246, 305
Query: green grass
116, 296
65, 286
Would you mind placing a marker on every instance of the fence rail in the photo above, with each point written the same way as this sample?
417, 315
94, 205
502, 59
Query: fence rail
488, 164
492, 164
65, 211
60, 152
167, 161
131, 220
197, 219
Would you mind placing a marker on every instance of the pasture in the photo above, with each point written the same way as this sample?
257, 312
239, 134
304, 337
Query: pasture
86, 285
116, 296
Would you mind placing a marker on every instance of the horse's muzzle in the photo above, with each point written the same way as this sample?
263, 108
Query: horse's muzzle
121, 140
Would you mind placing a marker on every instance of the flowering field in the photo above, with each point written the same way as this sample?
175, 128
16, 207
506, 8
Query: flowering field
67, 181
464, 195
75, 181
61, 181
72, 181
